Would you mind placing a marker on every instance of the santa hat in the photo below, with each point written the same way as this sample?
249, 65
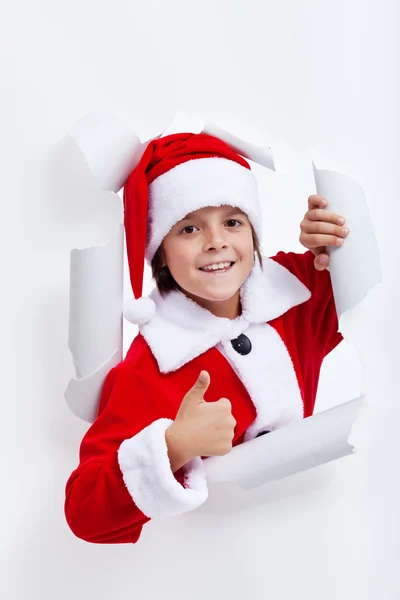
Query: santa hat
179, 174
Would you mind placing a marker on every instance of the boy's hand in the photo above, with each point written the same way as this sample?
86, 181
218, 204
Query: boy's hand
321, 228
200, 428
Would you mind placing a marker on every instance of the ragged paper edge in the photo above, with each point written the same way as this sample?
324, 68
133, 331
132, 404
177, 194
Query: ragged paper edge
228, 498
361, 413
349, 181
184, 123
347, 301
83, 393
260, 155
79, 391
109, 146
240, 470
102, 248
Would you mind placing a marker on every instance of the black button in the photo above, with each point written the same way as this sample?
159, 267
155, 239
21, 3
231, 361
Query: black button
261, 433
242, 344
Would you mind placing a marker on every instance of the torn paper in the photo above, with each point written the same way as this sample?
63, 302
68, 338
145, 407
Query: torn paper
183, 123
95, 321
110, 147
261, 155
111, 150
83, 394
297, 447
290, 455
354, 267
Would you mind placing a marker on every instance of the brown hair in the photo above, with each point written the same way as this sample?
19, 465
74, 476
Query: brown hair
162, 275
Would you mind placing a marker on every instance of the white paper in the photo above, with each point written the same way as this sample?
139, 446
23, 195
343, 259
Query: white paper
354, 267
110, 147
111, 150
297, 447
95, 322
183, 123
83, 395
261, 155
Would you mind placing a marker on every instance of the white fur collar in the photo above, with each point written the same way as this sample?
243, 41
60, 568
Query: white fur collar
181, 330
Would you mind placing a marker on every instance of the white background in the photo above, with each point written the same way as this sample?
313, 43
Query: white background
299, 76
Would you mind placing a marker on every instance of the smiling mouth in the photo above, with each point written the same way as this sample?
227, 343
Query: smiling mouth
218, 268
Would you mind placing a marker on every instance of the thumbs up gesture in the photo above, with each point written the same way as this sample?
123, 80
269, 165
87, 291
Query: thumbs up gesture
200, 428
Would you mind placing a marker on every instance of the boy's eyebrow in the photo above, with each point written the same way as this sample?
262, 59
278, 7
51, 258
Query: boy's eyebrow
232, 211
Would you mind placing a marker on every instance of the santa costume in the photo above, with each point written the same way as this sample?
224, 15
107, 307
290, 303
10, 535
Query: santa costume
266, 361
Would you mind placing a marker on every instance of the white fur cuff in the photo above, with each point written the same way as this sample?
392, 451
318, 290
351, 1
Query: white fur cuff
146, 470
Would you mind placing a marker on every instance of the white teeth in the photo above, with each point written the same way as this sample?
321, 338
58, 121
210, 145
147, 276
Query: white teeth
216, 266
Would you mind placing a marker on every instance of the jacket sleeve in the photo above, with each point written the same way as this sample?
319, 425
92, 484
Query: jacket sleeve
124, 476
324, 321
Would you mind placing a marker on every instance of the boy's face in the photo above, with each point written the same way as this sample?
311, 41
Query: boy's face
211, 236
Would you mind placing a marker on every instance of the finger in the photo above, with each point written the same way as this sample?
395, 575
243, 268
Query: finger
196, 393
316, 201
313, 240
315, 227
319, 214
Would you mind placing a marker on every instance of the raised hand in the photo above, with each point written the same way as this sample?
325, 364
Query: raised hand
321, 228
200, 428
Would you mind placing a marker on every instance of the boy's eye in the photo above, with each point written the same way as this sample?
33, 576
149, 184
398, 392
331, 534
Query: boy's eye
233, 221
187, 229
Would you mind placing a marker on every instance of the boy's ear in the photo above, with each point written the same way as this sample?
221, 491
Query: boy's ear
163, 260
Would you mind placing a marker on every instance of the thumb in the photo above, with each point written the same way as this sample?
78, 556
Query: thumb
196, 393
321, 260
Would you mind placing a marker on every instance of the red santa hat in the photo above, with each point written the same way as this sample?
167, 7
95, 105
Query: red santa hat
179, 174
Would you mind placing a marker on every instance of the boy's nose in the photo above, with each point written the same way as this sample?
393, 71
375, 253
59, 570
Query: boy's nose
215, 240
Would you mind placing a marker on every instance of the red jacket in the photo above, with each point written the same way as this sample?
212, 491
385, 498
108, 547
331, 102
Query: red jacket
124, 476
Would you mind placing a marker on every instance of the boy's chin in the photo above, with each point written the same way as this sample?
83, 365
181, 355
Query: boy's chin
213, 296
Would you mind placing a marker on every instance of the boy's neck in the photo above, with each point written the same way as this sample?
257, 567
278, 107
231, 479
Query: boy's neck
229, 309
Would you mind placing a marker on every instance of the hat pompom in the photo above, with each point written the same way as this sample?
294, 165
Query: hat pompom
139, 311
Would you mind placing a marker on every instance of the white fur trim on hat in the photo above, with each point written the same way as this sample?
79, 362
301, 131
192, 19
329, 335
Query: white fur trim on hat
139, 311
196, 184
146, 470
